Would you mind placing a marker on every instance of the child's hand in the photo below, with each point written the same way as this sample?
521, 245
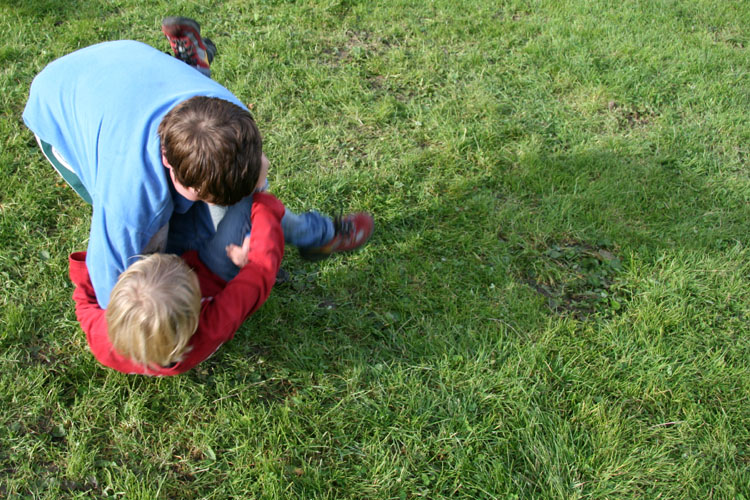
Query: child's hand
237, 254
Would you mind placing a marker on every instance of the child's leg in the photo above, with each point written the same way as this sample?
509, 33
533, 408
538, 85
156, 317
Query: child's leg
302, 230
184, 35
233, 228
310, 229
317, 237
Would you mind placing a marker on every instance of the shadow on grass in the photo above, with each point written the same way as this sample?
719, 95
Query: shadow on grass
561, 226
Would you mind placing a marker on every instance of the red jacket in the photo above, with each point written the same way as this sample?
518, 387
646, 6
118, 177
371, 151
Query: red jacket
225, 305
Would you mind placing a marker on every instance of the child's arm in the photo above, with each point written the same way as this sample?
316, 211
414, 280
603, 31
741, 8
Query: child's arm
89, 314
251, 287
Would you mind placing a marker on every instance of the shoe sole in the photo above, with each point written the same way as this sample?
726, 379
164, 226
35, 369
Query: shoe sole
169, 23
170, 26
314, 257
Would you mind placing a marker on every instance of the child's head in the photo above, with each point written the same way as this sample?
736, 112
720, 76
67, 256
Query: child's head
214, 147
153, 310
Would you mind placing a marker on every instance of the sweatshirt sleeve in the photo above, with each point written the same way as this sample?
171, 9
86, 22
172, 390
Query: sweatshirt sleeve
120, 234
244, 294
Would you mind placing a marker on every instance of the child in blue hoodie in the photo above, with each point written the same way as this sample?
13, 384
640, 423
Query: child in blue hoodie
145, 139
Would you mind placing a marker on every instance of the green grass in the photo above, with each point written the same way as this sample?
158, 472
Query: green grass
555, 303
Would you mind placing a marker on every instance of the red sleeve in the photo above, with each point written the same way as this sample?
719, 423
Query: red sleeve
88, 312
93, 319
243, 295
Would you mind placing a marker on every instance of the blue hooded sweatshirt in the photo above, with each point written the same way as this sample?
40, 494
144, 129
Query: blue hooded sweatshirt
100, 107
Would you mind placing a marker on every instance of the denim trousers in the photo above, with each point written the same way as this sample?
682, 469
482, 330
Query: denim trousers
193, 230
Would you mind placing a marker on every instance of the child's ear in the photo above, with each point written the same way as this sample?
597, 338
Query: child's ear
164, 160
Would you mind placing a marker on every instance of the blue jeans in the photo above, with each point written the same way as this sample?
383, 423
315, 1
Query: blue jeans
191, 231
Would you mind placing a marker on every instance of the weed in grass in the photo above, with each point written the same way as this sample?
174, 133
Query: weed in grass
629, 118
577, 278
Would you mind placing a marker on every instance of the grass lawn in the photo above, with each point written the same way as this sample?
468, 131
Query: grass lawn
555, 303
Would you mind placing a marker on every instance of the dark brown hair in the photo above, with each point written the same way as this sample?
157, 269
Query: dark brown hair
213, 147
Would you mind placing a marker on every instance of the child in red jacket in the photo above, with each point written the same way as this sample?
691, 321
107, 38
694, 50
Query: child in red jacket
168, 314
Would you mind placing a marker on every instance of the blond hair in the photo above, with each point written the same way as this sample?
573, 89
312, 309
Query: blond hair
153, 310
